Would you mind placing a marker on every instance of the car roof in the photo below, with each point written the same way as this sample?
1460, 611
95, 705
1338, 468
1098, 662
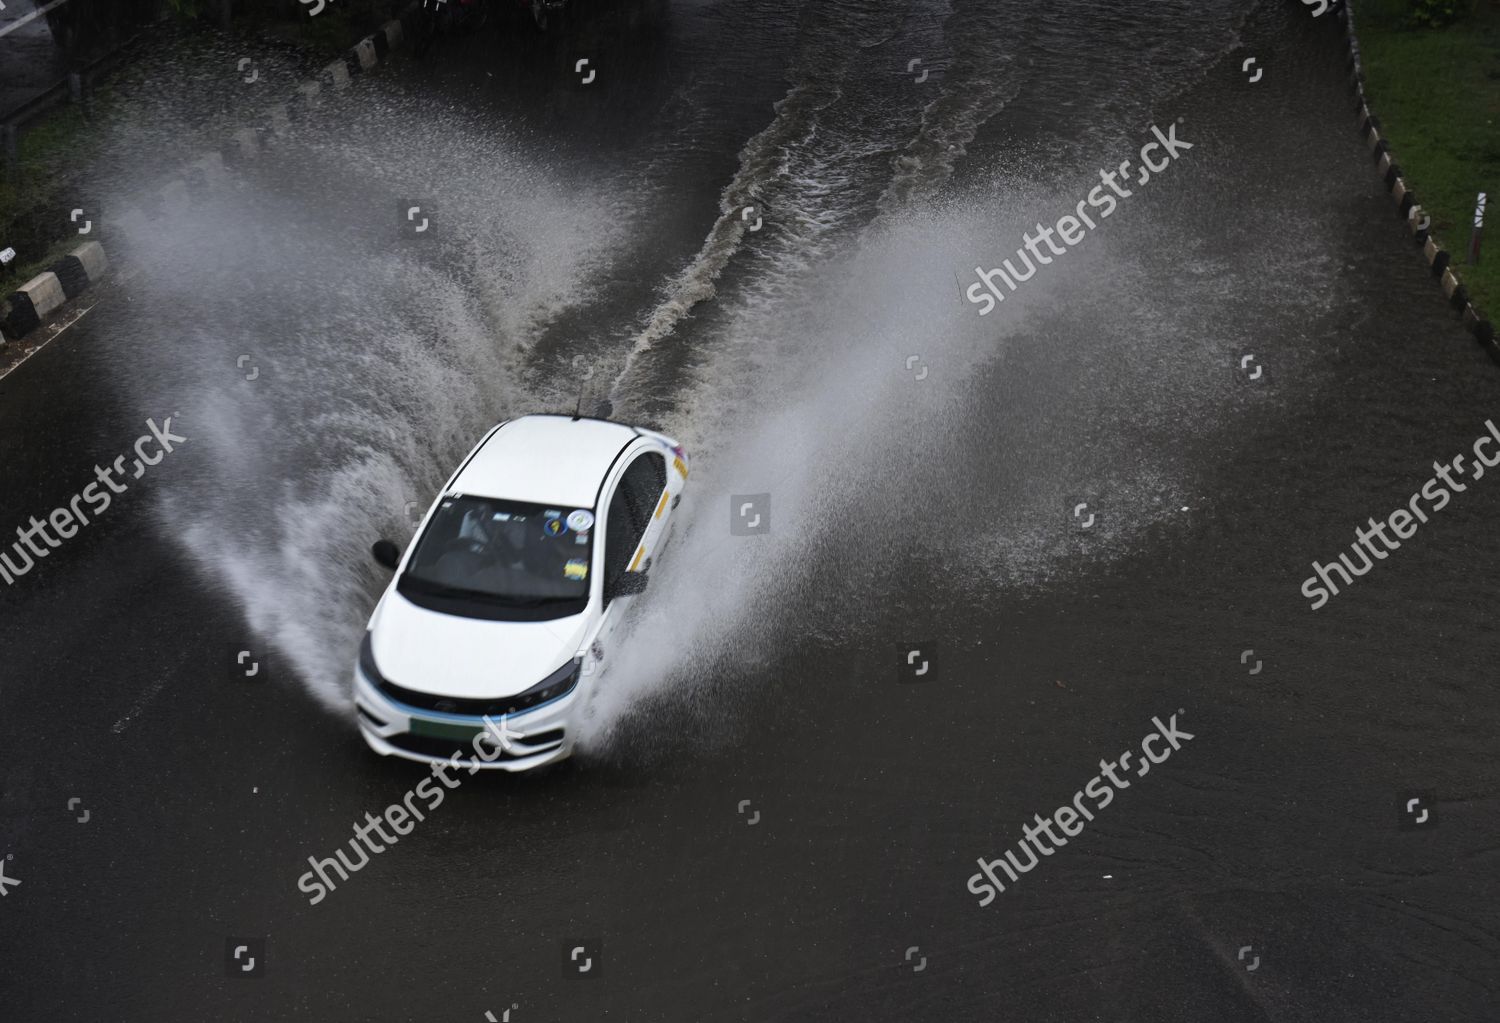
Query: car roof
545, 459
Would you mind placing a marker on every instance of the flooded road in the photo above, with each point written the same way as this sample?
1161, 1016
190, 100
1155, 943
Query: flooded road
1082, 511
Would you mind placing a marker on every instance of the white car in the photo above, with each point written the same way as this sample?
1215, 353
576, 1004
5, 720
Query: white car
503, 605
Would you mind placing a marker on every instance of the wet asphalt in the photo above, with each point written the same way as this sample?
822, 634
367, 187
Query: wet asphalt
786, 830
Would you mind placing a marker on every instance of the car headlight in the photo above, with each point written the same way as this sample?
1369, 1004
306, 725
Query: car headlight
549, 688
367, 662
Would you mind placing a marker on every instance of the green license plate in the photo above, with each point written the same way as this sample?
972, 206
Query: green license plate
444, 730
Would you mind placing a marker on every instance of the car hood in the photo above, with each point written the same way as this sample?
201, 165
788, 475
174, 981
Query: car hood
470, 658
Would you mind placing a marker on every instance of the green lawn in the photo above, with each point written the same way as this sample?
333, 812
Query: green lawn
1437, 94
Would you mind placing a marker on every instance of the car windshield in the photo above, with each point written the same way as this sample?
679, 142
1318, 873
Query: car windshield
507, 553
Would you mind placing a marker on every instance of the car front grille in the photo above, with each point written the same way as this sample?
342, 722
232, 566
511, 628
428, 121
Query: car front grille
431, 746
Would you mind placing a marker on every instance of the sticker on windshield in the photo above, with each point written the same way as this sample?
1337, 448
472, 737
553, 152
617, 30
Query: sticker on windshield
554, 527
577, 568
580, 521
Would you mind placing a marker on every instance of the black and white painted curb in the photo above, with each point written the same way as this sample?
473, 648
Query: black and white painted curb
210, 170
46, 293
69, 277
1417, 221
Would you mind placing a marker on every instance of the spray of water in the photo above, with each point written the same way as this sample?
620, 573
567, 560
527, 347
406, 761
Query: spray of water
887, 419
333, 370
380, 361
854, 383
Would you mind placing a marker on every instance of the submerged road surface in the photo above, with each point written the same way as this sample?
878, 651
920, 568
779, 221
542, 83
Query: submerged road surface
1089, 513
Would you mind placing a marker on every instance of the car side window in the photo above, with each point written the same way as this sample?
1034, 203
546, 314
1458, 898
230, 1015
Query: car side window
643, 483
620, 537
630, 511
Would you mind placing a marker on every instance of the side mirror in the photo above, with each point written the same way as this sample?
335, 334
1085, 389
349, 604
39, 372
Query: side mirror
628, 584
386, 554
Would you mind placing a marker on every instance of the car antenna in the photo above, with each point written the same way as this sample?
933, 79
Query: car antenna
578, 406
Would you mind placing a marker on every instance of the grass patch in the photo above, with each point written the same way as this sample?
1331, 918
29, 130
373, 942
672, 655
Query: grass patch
33, 194
1437, 94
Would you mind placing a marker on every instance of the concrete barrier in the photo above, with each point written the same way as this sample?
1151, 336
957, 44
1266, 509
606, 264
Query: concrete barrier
45, 293
338, 74
48, 291
212, 170
37, 298
365, 53
91, 255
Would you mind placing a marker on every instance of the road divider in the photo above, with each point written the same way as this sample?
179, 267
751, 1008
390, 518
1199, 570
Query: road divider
48, 291
210, 170
44, 294
1438, 258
